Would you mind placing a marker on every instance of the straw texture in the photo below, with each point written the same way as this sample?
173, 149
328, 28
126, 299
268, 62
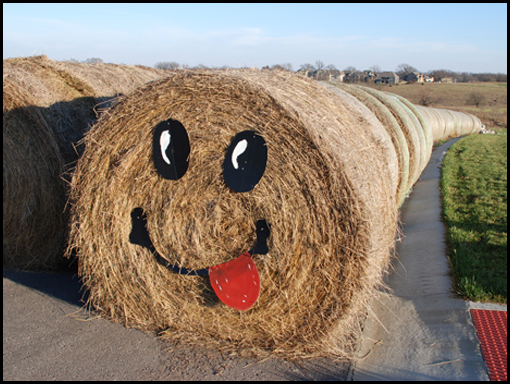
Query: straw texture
326, 193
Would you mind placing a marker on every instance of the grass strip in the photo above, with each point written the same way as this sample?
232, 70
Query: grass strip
474, 190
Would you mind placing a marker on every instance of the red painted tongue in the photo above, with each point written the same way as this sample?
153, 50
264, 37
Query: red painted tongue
236, 282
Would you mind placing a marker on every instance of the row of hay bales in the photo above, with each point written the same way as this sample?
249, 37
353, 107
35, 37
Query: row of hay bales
340, 161
47, 107
413, 129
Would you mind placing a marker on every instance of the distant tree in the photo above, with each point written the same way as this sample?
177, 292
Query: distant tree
441, 73
282, 67
404, 69
319, 64
167, 65
308, 67
288, 67
350, 69
501, 77
426, 98
93, 60
330, 67
375, 69
476, 98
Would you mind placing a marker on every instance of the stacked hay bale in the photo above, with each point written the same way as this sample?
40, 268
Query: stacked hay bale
56, 101
70, 94
328, 194
33, 192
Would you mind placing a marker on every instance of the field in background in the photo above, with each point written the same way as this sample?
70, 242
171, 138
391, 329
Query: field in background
487, 101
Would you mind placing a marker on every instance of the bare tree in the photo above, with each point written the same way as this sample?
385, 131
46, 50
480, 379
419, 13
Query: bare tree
375, 69
350, 69
308, 67
170, 65
319, 64
282, 67
404, 69
287, 67
330, 67
426, 98
94, 60
476, 98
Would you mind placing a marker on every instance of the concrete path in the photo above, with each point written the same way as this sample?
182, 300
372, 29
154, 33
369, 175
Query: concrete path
420, 331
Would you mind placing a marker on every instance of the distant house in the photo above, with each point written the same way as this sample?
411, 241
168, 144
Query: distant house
369, 75
387, 78
414, 77
447, 80
428, 79
359, 77
351, 77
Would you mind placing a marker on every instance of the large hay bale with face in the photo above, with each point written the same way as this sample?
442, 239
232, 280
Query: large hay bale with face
33, 192
326, 193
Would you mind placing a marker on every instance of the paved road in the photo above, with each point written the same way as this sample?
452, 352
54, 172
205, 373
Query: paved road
48, 336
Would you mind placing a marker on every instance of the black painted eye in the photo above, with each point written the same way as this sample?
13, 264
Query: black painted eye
170, 148
245, 161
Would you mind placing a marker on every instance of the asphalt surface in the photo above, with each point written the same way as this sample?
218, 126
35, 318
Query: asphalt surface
420, 331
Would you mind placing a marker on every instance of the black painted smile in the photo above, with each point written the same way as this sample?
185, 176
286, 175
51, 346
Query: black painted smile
235, 282
140, 235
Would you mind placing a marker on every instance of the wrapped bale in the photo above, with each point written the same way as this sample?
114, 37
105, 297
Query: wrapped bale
408, 129
162, 209
446, 124
424, 127
33, 192
383, 114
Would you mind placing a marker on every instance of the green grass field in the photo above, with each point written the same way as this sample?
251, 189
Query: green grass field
474, 189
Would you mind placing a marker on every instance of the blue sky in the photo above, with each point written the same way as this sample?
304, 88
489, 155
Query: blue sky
460, 37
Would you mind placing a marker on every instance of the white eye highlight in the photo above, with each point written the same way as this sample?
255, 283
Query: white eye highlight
239, 150
164, 142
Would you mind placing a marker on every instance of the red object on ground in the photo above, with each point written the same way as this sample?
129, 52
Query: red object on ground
491, 327
236, 282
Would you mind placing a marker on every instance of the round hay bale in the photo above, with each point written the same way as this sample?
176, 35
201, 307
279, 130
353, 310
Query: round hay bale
425, 127
421, 136
47, 108
33, 192
449, 119
431, 119
381, 112
477, 123
326, 194
68, 93
408, 129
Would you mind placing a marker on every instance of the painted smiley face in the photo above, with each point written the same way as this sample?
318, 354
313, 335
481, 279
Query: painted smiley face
236, 282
